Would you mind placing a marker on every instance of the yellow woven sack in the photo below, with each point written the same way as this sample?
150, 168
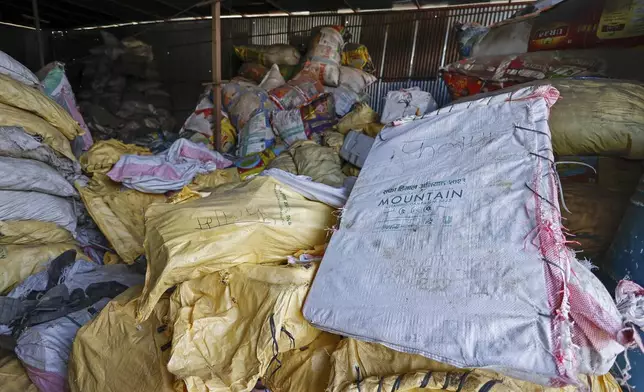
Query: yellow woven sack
114, 353
13, 377
118, 213
598, 117
358, 119
307, 369
36, 126
27, 98
284, 161
256, 221
370, 367
230, 326
357, 56
214, 179
322, 164
17, 262
32, 232
105, 153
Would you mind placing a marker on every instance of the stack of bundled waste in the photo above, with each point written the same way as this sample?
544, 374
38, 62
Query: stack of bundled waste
587, 51
295, 124
597, 125
48, 286
121, 96
241, 280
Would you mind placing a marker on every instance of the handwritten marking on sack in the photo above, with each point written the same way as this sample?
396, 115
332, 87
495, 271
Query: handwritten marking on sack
429, 148
3, 252
222, 218
285, 208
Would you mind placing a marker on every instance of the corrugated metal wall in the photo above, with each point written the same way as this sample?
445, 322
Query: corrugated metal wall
407, 47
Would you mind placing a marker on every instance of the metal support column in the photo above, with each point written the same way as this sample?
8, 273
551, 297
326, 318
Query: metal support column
216, 72
41, 50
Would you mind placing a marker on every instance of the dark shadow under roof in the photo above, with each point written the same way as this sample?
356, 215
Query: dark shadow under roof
67, 14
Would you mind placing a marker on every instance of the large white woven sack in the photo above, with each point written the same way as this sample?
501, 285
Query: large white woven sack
451, 246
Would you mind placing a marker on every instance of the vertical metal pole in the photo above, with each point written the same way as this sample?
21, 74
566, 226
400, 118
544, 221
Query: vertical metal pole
216, 72
384, 51
41, 50
413, 50
446, 39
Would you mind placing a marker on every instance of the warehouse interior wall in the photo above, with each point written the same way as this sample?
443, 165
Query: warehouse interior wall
20, 43
407, 47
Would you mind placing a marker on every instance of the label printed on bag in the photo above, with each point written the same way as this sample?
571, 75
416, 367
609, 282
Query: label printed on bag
407, 207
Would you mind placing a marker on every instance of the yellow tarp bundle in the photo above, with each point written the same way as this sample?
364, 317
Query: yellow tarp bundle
231, 325
36, 126
256, 221
105, 153
114, 353
13, 377
118, 213
29, 99
307, 369
17, 262
377, 368
32, 232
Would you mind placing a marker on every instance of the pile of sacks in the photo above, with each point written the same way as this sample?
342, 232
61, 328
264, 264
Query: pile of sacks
596, 126
121, 96
50, 283
283, 100
229, 268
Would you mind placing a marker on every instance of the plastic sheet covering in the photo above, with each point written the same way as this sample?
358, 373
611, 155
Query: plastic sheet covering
105, 153
44, 348
16, 143
307, 369
56, 85
113, 352
19, 205
118, 213
231, 325
36, 126
32, 232
20, 96
256, 221
377, 368
13, 376
170, 170
17, 262
29, 175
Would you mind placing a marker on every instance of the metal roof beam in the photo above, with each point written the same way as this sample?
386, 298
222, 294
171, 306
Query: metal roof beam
170, 5
276, 5
354, 9
136, 9
100, 11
